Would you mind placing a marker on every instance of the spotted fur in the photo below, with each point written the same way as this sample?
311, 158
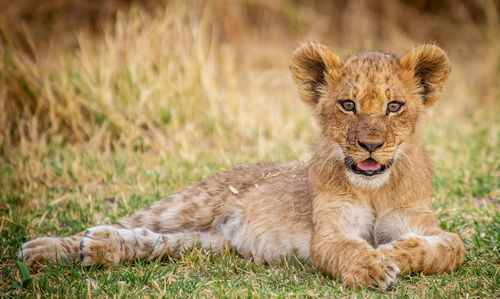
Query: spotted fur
361, 229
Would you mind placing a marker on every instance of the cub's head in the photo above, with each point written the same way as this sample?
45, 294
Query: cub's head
368, 105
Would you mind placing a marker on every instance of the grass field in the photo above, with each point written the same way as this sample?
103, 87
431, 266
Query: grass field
98, 121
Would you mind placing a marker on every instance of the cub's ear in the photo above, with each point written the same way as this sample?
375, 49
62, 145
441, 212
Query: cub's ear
431, 67
312, 66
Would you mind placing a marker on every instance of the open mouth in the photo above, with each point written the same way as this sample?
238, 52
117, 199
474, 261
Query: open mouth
368, 167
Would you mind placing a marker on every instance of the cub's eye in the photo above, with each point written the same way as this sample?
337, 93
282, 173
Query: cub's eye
394, 107
348, 105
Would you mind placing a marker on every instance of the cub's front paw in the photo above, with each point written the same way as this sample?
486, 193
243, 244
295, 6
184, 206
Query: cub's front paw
103, 246
376, 269
42, 250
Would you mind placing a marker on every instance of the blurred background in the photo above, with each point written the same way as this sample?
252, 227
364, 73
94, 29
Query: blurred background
107, 106
142, 72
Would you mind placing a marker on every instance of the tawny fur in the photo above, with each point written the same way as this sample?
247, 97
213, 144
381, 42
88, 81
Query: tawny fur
362, 229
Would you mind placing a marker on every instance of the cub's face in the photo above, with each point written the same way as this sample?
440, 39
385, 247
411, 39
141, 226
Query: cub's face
368, 105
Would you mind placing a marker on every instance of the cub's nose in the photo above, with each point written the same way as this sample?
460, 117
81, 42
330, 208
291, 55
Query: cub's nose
371, 147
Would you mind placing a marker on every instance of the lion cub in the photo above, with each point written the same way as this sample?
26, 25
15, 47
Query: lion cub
359, 210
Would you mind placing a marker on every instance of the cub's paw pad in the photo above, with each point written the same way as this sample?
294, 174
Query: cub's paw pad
41, 250
101, 245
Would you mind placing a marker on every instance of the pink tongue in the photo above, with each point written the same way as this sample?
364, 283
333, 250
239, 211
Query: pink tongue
368, 164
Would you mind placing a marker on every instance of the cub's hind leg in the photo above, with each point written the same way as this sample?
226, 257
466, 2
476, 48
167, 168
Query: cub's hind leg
187, 212
191, 209
168, 227
51, 249
105, 245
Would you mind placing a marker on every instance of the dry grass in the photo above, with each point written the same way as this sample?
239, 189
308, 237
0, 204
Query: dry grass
133, 102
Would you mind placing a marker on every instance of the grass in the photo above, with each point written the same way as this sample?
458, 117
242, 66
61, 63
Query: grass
106, 123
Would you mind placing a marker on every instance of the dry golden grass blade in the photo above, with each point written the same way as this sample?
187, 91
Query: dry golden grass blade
106, 107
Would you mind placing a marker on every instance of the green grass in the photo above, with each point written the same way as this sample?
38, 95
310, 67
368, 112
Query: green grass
466, 197
100, 127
